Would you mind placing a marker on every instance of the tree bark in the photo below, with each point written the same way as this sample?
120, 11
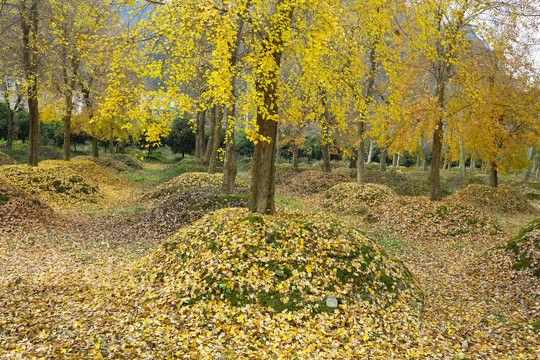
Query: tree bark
214, 155
493, 180
197, 140
229, 166
325, 123
209, 146
67, 132
436, 147
395, 160
382, 163
527, 172
295, 156
95, 147
360, 165
29, 27
111, 142
370, 153
473, 164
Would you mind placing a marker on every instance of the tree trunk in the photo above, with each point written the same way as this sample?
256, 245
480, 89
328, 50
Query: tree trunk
370, 153
209, 147
493, 180
395, 160
67, 134
418, 160
382, 163
229, 166
360, 167
212, 163
95, 147
197, 140
436, 147
29, 27
295, 156
122, 146
325, 146
111, 142
473, 164
527, 172
11, 130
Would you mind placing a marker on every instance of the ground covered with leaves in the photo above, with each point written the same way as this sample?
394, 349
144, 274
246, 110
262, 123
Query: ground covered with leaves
191, 274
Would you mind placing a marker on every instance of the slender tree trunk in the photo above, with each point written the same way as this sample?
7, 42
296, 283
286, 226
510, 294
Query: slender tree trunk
11, 129
382, 163
473, 164
67, 131
436, 147
395, 160
325, 138
418, 160
209, 147
214, 155
360, 164
122, 146
295, 156
370, 153
229, 166
197, 142
95, 147
111, 142
493, 180
527, 172
29, 27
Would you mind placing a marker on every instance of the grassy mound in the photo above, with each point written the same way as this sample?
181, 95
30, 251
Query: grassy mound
290, 261
129, 160
525, 249
190, 179
313, 182
64, 185
185, 166
501, 199
184, 207
47, 153
354, 198
106, 162
421, 218
20, 210
6, 160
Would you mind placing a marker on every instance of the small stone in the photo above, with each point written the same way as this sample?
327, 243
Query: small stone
17, 279
331, 301
464, 344
280, 273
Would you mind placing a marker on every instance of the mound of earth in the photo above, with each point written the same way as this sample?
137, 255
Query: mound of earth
418, 217
288, 262
188, 165
354, 198
19, 210
47, 153
500, 199
184, 207
129, 160
65, 185
190, 179
6, 160
313, 182
106, 162
525, 249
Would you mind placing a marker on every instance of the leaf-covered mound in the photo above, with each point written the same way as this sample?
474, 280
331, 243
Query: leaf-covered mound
524, 249
313, 182
424, 219
129, 160
47, 153
500, 199
354, 198
184, 207
291, 261
6, 160
65, 185
190, 179
106, 162
20, 210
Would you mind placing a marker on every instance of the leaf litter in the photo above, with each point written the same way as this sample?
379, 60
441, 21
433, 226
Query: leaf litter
66, 294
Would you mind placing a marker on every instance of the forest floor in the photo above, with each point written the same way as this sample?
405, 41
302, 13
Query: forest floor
53, 277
